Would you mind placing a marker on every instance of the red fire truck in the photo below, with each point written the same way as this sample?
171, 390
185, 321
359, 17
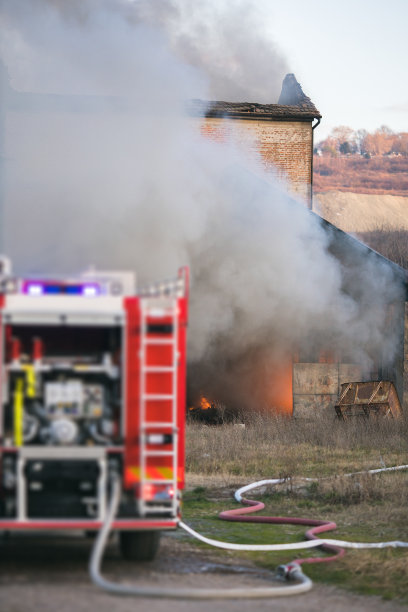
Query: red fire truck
92, 383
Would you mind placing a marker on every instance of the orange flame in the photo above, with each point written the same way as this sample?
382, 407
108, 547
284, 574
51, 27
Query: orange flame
272, 383
205, 404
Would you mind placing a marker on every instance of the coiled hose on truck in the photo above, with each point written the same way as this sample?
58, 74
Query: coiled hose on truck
299, 582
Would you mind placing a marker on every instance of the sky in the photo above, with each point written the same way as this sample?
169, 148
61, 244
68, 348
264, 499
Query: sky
351, 58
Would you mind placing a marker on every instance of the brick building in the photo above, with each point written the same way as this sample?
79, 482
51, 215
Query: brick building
281, 133
283, 136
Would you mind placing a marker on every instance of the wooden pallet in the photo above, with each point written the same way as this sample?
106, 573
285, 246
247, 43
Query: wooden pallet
368, 399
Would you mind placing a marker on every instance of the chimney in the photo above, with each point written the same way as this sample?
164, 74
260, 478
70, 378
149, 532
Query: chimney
292, 93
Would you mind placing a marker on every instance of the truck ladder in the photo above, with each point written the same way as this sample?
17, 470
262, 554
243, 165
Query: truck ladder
146, 506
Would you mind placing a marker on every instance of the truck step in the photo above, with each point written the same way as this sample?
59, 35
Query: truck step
158, 369
157, 453
157, 396
158, 341
158, 313
156, 425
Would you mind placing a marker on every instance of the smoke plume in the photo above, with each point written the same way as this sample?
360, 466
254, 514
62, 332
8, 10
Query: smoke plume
104, 167
226, 41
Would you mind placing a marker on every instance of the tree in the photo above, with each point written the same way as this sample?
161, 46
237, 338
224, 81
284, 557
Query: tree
380, 142
383, 141
345, 148
400, 143
328, 146
343, 133
344, 140
360, 136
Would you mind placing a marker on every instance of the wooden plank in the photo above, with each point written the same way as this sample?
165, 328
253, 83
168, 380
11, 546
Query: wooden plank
315, 378
312, 406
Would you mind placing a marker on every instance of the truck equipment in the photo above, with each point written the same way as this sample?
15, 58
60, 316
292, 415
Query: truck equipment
92, 382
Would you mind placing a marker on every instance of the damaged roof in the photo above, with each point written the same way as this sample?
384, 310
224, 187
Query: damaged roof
292, 104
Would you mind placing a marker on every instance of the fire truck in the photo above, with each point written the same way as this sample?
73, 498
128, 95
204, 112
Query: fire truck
92, 382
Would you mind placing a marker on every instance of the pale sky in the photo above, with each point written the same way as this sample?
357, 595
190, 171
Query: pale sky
350, 56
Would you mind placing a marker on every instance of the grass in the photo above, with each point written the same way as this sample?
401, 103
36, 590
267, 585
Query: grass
270, 446
392, 243
365, 508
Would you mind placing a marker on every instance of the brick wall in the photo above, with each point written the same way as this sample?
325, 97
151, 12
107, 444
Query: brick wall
285, 147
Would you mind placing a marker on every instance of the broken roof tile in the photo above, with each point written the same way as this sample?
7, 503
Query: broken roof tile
292, 104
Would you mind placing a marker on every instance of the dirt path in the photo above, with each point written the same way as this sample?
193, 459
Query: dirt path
49, 574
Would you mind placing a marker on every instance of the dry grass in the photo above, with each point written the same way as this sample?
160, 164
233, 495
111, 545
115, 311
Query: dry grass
392, 243
269, 447
363, 565
366, 508
378, 175
362, 488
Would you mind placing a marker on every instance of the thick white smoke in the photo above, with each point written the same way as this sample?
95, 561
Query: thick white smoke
228, 42
112, 172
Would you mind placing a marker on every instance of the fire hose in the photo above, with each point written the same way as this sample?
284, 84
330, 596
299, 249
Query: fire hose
292, 572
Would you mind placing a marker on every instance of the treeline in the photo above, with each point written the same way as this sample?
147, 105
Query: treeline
362, 162
343, 140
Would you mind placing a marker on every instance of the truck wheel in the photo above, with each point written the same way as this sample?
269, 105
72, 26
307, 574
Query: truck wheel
139, 545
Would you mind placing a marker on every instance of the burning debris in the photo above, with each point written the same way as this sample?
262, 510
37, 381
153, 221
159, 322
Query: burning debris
202, 404
211, 412
205, 404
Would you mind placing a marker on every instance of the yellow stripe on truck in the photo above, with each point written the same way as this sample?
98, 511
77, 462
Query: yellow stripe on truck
18, 412
166, 472
31, 382
152, 473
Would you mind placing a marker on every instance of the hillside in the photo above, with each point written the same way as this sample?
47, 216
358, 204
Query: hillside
380, 221
358, 212
377, 175
360, 184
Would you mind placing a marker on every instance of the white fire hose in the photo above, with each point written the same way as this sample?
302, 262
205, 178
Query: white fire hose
300, 583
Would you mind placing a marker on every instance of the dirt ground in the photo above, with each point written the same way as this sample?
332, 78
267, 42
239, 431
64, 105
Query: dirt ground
49, 574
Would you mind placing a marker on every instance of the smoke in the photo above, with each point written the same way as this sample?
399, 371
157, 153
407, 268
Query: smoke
111, 172
227, 41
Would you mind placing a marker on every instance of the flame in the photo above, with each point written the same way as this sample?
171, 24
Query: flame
280, 391
272, 383
204, 404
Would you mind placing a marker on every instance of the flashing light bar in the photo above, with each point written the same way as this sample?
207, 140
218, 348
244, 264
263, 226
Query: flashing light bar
38, 288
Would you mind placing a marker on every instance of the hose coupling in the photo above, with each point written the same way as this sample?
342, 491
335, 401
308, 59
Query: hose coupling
290, 571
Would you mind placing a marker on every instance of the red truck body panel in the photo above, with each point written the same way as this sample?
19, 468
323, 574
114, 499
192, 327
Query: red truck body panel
92, 381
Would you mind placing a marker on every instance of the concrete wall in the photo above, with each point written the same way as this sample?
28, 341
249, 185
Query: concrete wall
285, 146
316, 386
